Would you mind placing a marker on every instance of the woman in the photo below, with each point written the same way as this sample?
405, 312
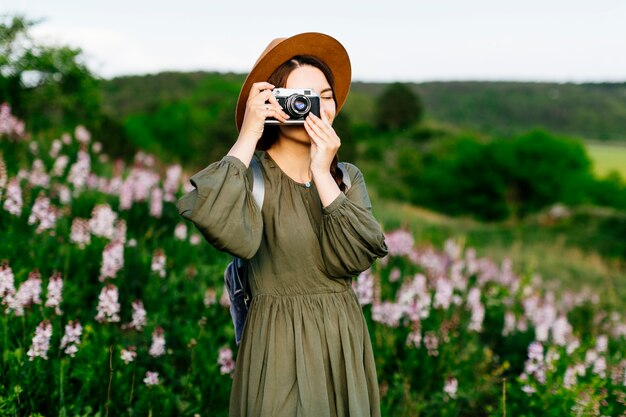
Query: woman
305, 349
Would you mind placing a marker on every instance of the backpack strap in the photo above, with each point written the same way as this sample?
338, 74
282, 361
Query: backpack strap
258, 184
346, 175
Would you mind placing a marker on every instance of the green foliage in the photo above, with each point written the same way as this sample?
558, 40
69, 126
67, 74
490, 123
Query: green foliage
398, 107
496, 179
49, 87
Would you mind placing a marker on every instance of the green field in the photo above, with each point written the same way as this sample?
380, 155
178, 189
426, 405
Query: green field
607, 158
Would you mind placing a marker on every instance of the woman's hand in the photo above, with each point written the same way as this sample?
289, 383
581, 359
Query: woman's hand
324, 146
324, 142
261, 104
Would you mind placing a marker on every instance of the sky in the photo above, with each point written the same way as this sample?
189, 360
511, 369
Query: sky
387, 40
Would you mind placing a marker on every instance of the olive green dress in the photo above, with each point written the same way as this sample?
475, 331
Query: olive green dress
305, 349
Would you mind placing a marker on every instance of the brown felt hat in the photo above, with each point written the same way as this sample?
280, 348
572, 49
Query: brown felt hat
281, 50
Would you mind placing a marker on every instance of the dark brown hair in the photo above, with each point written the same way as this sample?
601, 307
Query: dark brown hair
279, 79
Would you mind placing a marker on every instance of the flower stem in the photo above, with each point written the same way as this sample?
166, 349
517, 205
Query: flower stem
110, 379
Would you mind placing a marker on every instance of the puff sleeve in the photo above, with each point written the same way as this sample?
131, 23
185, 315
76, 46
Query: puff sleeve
222, 208
351, 238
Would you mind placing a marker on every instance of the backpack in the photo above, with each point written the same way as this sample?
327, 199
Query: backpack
236, 273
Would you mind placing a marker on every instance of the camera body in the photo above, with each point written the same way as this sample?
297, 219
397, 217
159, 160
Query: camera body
297, 103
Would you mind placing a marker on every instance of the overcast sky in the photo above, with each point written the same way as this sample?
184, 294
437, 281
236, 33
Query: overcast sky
388, 40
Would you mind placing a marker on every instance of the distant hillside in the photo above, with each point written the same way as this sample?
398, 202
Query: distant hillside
596, 111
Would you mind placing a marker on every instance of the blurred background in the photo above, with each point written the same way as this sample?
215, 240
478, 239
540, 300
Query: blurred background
486, 125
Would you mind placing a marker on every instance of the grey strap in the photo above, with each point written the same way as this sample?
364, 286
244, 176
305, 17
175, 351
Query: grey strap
346, 175
258, 184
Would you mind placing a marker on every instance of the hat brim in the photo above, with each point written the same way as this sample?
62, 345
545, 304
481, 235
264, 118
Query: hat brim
322, 46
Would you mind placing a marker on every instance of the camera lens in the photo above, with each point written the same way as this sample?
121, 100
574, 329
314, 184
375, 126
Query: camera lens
298, 105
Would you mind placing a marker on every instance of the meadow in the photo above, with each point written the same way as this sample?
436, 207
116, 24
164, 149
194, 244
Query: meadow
608, 157
113, 305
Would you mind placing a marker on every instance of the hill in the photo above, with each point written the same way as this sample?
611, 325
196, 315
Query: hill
595, 111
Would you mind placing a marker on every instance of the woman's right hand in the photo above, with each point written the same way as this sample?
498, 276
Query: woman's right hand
261, 104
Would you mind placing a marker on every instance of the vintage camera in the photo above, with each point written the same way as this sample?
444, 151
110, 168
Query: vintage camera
297, 103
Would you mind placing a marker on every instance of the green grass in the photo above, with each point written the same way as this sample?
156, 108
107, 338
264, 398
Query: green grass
607, 158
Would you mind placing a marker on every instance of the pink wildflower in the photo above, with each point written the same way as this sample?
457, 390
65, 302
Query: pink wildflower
180, 232
102, 221
172, 181
387, 313
399, 243
119, 232
225, 361
139, 316
108, 305
71, 338
210, 297
81, 134
451, 386
54, 296
158, 263
80, 232
158, 343
79, 171
364, 287
156, 202
431, 342
9, 125
38, 176
443, 294
13, 200
7, 280
43, 213
151, 379
129, 354
195, 239
112, 260
41, 341
59, 165
28, 294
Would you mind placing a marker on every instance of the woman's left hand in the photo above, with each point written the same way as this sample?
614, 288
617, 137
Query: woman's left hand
324, 142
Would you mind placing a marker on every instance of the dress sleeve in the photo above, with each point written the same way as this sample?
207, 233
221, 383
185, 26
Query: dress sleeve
351, 238
222, 208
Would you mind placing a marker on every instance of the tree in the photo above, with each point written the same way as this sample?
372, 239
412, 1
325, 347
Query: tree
398, 107
47, 86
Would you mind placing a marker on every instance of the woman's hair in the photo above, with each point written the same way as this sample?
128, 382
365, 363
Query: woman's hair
279, 79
